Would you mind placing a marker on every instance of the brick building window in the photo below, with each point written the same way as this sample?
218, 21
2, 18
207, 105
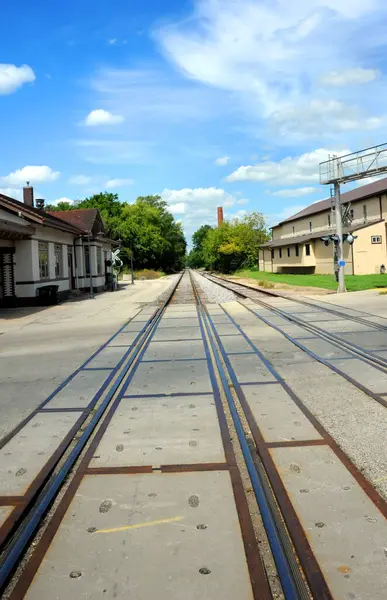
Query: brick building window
43, 260
58, 252
307, 249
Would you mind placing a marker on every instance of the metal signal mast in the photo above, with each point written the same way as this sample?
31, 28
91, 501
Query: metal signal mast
343, 169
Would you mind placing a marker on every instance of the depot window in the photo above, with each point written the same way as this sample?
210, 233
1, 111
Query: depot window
58, 252
307, 249
43, 260
280, 252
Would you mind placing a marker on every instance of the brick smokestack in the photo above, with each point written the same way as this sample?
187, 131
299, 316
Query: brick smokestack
220, 215
28, 195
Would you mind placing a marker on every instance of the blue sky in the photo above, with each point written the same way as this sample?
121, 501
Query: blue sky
208, 102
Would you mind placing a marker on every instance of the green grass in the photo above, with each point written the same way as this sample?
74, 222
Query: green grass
353, 283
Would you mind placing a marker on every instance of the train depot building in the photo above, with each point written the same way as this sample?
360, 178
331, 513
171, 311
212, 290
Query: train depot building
297, 245
50, 254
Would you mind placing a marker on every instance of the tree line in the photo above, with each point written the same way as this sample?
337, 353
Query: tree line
145, 228
232, 246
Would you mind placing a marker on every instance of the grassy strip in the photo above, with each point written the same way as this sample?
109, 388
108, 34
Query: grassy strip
353, 283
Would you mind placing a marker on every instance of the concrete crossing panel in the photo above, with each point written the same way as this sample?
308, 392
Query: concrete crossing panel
28, 451
346, 531
168, 536
80, 391
161, 431
168, 378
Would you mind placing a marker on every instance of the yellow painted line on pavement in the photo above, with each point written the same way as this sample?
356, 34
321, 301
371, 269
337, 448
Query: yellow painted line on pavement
138, 525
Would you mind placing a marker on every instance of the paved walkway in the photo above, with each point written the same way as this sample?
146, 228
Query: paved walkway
39, 347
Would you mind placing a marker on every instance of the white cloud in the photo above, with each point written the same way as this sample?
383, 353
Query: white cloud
63, 199
304, 191
288, 171
13, 77
115, 183
33, 174
349, 77
321, 117
112, 41
242, 201
177, 209
15, 193
103, 117
197, 205
222, 161
80, 180
272, 55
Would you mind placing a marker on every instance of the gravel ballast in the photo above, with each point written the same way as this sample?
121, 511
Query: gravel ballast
212, 292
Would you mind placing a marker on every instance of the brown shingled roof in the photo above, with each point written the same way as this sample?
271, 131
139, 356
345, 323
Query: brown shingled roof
82, 218
360, 193
38, 216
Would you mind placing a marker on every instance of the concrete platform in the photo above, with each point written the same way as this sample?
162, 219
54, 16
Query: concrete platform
80, 391
168, 378
277, 415
26, 453
161, 431
346, 531
168, 536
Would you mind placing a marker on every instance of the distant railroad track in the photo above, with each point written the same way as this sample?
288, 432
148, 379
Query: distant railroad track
366, 356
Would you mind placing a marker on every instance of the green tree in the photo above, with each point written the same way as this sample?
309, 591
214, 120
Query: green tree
196, 258
60, 206
146, 228
235, 243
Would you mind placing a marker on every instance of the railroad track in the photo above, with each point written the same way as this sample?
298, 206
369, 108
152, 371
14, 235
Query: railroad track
132, 462
361, 378
96, 386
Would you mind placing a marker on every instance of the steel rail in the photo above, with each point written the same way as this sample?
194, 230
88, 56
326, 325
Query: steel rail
304, 302
19, 543
367, 355
293, 586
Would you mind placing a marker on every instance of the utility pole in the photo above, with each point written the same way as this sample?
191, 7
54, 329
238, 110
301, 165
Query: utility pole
339, 232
